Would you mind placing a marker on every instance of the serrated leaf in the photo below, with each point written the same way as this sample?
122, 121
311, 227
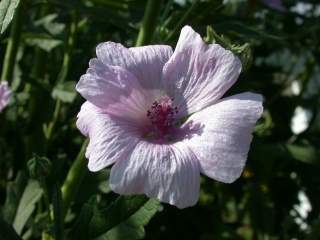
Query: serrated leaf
133, 227
65, 92
30, 197
7, 10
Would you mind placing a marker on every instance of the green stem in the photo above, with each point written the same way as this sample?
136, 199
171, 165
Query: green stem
166, 11
63, 73
149, 22
74, 178
13, 45
38, 69
182, 20
52, 124
46, 196
57, 212
69, 48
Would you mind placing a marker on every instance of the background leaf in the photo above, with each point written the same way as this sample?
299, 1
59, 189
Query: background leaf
7, 10
29, 198
65, 92
119, 211
13, 195
133, 227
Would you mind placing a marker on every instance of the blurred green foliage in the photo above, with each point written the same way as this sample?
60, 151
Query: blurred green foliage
47, 48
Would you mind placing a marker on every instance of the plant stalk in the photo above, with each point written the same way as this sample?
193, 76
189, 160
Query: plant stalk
149, 22
12, 45
74, 178
182, 20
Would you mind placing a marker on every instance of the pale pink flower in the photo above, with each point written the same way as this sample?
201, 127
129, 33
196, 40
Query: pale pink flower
5, 94
158, 117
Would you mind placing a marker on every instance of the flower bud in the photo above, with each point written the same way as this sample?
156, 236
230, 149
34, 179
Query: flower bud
39, 167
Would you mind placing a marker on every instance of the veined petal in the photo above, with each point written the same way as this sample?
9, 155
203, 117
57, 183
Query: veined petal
124, 82
103, 85
111, 139
150, 61
115, 54
227, 127
197, 74
167, 172
114, 90
145, 63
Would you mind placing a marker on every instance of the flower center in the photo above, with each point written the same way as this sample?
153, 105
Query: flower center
162, 116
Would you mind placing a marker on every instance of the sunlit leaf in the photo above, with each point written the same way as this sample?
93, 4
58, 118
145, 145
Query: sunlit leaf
43, 41
7, 10
50, 25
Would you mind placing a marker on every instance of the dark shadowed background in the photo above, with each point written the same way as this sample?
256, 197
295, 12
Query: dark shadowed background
46, 48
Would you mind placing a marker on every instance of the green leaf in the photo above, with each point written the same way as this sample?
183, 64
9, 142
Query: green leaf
14, 192
80, 229
118, 212
247, 32
7, 232
65, 91
244, 51
133, 227
125, 218
43, 41
93, 183
7, 10
304, 153
30, 197
49, 24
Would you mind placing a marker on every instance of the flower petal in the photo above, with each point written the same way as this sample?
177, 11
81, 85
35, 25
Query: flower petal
114, 90
103, 85
124, 81
5, 94
115, 54
150, 61
111, 138
223, 146
167, 172
197, 74
145, 63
